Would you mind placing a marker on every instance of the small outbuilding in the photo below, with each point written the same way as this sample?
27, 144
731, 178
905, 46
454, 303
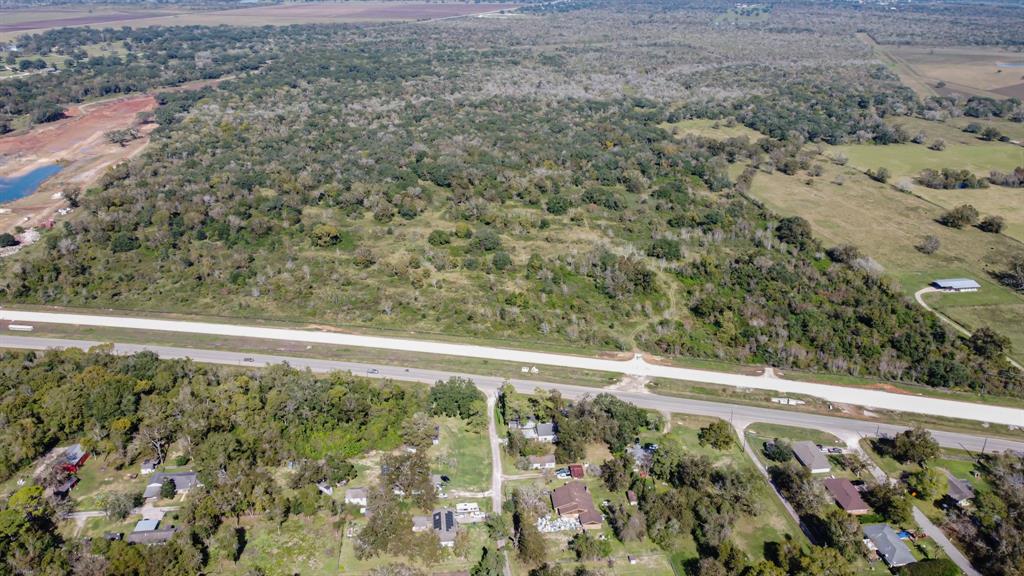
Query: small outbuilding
957, 285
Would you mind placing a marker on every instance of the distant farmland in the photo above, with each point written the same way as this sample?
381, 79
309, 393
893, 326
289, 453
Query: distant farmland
25, 21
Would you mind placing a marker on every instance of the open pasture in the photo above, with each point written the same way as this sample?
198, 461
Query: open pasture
25, 21
887, 225
965, 69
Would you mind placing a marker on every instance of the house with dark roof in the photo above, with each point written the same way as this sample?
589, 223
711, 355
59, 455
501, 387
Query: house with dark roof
883, 539
149, 532
808, 454
846, 496
574, 501
442, 522
183, 482
959, 491
446, 527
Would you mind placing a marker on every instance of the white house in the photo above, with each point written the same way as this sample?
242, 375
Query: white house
545, 462
356, 496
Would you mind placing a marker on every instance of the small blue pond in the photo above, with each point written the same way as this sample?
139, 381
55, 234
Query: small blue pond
14, 188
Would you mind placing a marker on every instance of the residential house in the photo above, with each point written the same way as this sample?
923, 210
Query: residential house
325, 488
73, 458
183, 482
357, 496
541, 432
546, 432
808, 454
883, 539
959, 491
574, 501
544, 462
445, 526
846, 496
149, 532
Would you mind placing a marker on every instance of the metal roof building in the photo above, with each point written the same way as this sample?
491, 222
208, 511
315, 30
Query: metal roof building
957, 285
811, 456
888, 544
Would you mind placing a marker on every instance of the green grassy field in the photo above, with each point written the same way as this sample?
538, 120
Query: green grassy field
462, 454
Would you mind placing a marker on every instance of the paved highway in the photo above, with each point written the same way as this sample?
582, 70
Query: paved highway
847, 429
636, 366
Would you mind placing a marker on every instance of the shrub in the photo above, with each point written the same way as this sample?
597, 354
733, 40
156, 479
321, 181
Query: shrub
558, 205
992, 224
844, 253
7, 239
664, 248
929, 245
325, 235
124, 242
958, 217
487, 239
439, 238
880, 175
501, 260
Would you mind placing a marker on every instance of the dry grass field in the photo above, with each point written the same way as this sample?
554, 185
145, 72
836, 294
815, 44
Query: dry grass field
22, 21
886, 225
965, 69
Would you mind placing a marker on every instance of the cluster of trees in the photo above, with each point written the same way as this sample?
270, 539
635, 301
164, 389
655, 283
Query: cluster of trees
233, 426
552, 209
603, 418
769, 307
1013, 179
156, 57
992, 530
950, 179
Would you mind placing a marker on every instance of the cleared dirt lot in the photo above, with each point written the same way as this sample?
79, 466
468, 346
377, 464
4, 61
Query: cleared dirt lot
78, 143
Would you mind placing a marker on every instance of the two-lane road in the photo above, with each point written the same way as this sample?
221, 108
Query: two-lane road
844, 428
637, 366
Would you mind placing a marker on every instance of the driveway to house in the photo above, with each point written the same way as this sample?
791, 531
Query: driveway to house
637, 366
492, 433
850, 429
919, 296
935, 533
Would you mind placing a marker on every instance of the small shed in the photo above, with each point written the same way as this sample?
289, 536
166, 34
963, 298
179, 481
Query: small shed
576, 471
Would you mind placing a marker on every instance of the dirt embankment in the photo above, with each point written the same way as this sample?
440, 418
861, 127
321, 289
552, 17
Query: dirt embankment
79, 144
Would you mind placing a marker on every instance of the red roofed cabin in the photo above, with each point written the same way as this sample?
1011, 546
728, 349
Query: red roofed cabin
74, 457
576, 471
